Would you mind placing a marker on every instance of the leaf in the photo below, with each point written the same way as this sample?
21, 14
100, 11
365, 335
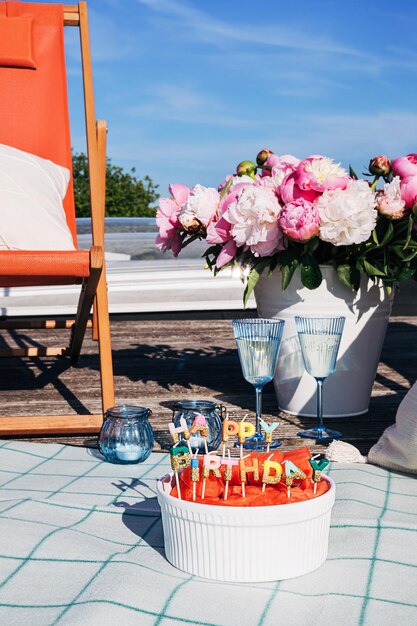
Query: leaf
409, 231
253, 278
352, 173
399, 251
226, 188
349, 276
215, 249
388, 235
273, 264
405, 273
190, 240
372, 270
287, 272
310, 273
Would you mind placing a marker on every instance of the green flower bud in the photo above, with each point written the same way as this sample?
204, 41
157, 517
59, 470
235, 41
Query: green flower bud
263, 156
380, 166
246, 167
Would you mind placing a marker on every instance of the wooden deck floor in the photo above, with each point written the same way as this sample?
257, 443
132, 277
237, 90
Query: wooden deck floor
160, 361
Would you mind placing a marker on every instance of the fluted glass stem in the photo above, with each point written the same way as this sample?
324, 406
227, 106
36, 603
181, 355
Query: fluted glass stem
258, 408
320, 382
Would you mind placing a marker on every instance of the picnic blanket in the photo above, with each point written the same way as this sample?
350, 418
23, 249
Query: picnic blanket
81, 542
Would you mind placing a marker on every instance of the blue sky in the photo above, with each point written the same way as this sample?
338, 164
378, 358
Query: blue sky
190, 88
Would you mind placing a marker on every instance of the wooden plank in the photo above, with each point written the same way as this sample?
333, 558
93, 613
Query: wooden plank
34, 352
85, 302
18, 323
71, 15
160, 361
45, 424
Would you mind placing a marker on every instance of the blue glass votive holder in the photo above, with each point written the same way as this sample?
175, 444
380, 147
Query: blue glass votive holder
188, 409
126, 435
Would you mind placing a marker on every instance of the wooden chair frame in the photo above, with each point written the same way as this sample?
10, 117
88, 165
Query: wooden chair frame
94, 288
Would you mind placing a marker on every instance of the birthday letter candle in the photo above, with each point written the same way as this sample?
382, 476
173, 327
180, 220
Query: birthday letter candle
248, 469
246, 429
229, 463
180, 458
229, 428
199, 425
318, 466
182, 428
269, 429
275, 477
195, 470
211, 463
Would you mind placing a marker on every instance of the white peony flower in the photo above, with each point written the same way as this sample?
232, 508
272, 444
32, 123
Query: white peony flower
390, 202
347, 216
200, 207
254, 219
324, 169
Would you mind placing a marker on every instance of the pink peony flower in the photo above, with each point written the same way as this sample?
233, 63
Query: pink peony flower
281, 166
167, 219
179, 193
409, 191
200, 208
390, 202
320, 173
406, 166
299, 220
228, 252
290, 191
218, 231
253, 216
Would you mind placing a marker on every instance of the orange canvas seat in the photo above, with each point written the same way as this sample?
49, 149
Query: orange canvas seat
31, 267
34, 118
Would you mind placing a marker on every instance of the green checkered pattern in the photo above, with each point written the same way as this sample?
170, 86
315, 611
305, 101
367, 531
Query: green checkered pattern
81, 543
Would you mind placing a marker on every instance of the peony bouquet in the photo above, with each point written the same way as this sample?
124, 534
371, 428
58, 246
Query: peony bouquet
286, 213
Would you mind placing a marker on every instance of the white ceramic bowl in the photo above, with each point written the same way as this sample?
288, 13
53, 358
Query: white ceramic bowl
245, 544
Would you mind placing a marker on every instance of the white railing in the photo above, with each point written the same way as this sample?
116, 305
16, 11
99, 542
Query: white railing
141, 279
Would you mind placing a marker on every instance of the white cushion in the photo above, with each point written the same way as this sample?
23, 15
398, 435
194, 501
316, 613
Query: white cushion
32, 215
397, 447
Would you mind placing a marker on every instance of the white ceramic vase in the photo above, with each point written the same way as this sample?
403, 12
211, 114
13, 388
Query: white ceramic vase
348, 390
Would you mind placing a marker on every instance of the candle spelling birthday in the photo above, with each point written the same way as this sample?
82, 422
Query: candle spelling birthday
195, 474
211, 462
229, 463
317, 467
180, 459
267, 477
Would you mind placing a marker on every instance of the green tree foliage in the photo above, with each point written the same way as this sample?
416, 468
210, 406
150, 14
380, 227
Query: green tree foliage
126, 195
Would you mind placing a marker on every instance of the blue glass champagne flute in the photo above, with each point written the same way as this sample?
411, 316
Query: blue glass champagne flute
258, 341
320, 340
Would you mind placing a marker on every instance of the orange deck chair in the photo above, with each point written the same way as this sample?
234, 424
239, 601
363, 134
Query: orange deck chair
34, 118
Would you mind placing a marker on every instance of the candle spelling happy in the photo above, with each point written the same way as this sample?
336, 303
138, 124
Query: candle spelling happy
200, 426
